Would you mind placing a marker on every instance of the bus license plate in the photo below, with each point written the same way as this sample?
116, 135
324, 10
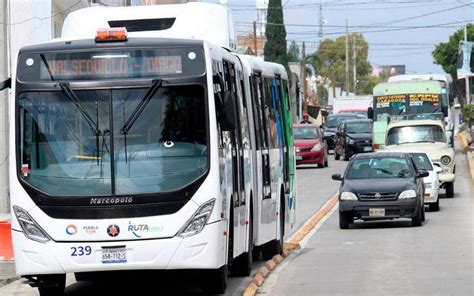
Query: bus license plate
376, 212
115, 255
299, 157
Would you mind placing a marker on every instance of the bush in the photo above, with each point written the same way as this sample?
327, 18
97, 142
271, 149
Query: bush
468, 114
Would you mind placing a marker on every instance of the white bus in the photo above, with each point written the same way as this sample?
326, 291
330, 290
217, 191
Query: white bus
448, 96
147, 154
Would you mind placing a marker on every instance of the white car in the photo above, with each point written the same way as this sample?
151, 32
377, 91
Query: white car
423, 162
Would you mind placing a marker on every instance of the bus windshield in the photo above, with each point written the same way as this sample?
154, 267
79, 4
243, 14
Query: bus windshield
68, 152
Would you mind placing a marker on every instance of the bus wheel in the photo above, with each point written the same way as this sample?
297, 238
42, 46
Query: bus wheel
242, 265
275, 247
53, 285
214, 281
449, 189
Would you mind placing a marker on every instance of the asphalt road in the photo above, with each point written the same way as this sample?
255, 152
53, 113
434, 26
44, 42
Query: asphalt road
314, 188
389, 258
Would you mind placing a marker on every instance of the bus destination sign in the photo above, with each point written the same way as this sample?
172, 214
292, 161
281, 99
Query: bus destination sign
111, 66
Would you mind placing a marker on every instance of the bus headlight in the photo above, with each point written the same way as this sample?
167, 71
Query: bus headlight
198, 220
31, 229
445, 160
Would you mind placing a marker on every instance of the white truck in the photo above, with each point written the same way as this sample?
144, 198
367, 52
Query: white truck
354, 104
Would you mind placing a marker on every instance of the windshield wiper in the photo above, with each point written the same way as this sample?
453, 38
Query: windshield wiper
138, 111
69, 93
141, 106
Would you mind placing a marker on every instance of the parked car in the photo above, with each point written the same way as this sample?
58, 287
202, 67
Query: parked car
352, 137
382, 185
423, 162
331, 124
428, 136
310, 146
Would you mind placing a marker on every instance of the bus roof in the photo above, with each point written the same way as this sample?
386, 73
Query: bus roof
87, 44
267, 68
202, 21
407, 87
421, 77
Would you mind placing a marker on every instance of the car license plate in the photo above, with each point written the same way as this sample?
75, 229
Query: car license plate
368, 148
376, 212
114, 255
299, 157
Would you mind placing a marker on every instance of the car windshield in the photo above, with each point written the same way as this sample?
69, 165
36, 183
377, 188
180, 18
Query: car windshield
415, 134
379, 167
76, 148
359, 127
334, 121
422, 161
303, 133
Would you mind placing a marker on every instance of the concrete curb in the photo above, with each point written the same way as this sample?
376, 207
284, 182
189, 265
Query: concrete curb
291, 245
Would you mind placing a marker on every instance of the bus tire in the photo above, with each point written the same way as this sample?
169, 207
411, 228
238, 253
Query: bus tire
275, 246
242, 265
214, 281
52, 285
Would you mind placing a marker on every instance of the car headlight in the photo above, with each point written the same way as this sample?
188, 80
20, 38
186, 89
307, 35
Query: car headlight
298, 150
445, 160
197, 222
407, 194
348, 196
30, 228
316, 147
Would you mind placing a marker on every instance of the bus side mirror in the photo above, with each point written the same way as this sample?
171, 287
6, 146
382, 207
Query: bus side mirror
230, 112
6, 84
370, 113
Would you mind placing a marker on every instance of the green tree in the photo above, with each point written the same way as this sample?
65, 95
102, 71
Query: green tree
275, 34
294, 52
446, 55
330, 60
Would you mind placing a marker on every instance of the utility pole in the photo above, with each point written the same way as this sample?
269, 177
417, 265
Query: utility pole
354, 48
303, 75
255, 38
321, 21
347, 58
468, 80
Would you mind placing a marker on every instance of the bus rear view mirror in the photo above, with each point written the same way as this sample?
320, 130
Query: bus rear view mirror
6, 84
370, 113
230, 112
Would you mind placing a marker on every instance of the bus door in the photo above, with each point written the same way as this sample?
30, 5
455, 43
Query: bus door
281, 125
263, 136
237, 154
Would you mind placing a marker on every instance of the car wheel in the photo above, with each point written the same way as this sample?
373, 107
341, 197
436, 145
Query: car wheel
321, 165
449, 189
434, 207
418, 219
345, 220
423, 218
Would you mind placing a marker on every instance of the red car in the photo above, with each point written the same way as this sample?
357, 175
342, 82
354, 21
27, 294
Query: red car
309, 145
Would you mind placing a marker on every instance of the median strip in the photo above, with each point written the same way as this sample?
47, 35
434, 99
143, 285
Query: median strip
289, 246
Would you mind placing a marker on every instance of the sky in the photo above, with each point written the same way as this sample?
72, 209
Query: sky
391, 27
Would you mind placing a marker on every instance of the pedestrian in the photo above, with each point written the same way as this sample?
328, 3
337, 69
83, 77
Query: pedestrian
305, 119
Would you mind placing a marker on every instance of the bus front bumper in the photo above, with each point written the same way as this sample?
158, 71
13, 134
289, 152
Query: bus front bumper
205, 250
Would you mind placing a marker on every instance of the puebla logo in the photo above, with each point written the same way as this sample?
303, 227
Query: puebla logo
113, 230
71, 229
